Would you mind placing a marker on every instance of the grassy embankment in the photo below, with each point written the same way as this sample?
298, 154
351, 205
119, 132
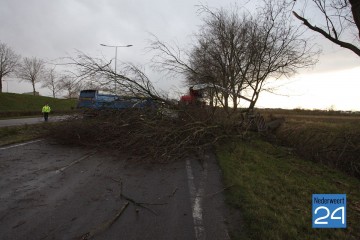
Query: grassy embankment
14, 105
16, 134
273, 186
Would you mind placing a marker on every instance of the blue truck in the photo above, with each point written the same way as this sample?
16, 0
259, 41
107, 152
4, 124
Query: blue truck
92, 99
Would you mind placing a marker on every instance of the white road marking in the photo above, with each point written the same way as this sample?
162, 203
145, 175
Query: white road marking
74, 162
196, 198
21, 144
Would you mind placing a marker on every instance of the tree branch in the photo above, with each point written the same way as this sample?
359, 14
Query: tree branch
328, 36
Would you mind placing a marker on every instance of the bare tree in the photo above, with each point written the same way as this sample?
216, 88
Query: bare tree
337, 20
70, 85
8, 62
239, 53
220, 49
31, 70
51, 81
278, 48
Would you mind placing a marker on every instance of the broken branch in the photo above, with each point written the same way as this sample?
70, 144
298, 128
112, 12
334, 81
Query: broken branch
104, 225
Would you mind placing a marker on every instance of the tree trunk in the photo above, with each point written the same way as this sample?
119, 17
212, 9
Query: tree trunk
252, 105
235, 102
33, 85
211, 97
254, 100
226, 102
355, 8
0, 84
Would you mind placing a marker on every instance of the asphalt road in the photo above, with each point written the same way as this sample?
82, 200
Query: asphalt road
48, 191
23, 121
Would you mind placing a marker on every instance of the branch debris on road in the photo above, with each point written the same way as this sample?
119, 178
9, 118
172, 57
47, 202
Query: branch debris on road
104, 225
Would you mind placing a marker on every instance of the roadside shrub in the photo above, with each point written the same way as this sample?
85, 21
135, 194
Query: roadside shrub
334, 144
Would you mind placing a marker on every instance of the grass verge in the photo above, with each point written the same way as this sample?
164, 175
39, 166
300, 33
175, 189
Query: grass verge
273, 191
16, 134
15, 105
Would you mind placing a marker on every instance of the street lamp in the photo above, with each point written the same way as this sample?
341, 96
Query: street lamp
116, 47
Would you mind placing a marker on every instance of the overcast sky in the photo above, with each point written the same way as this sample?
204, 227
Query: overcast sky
50, 29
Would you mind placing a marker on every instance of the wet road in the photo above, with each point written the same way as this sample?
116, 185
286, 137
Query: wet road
23, 121
49, 191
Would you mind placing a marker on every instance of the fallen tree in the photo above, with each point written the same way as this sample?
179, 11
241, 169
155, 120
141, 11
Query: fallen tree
150, 135
163, 133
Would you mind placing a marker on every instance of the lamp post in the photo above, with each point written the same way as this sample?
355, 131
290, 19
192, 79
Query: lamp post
116, 47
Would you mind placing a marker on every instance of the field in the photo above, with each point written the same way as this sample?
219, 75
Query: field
331, 140
272, 189
15, 105
273, 177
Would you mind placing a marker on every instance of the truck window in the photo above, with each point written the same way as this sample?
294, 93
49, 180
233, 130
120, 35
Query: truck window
88, 94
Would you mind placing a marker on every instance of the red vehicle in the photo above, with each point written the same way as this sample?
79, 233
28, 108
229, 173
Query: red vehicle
195, 95
254, 120
193, 98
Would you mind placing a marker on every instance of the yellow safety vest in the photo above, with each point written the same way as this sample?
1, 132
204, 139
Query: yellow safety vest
46, 109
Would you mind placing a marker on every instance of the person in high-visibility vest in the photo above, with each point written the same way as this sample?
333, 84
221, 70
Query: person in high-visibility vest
46, 110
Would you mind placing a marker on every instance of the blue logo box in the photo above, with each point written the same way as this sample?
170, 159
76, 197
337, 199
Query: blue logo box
329, 210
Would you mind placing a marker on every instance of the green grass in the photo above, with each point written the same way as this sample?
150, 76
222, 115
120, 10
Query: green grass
12, 104
16, 134
336, 144
273, 190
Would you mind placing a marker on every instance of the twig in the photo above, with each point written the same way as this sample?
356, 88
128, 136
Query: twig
138, 204
100, 164
19, 224
225, 188
173, 193
288, 174
121, 184
104, 225
118, 181
155, 204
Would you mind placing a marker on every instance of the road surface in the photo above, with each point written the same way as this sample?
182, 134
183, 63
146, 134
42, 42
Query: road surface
48, 191
23, 121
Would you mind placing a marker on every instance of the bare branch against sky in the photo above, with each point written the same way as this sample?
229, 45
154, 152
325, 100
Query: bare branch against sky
9, 61
50, 30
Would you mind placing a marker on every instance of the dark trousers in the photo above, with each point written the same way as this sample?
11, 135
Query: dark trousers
46, 116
